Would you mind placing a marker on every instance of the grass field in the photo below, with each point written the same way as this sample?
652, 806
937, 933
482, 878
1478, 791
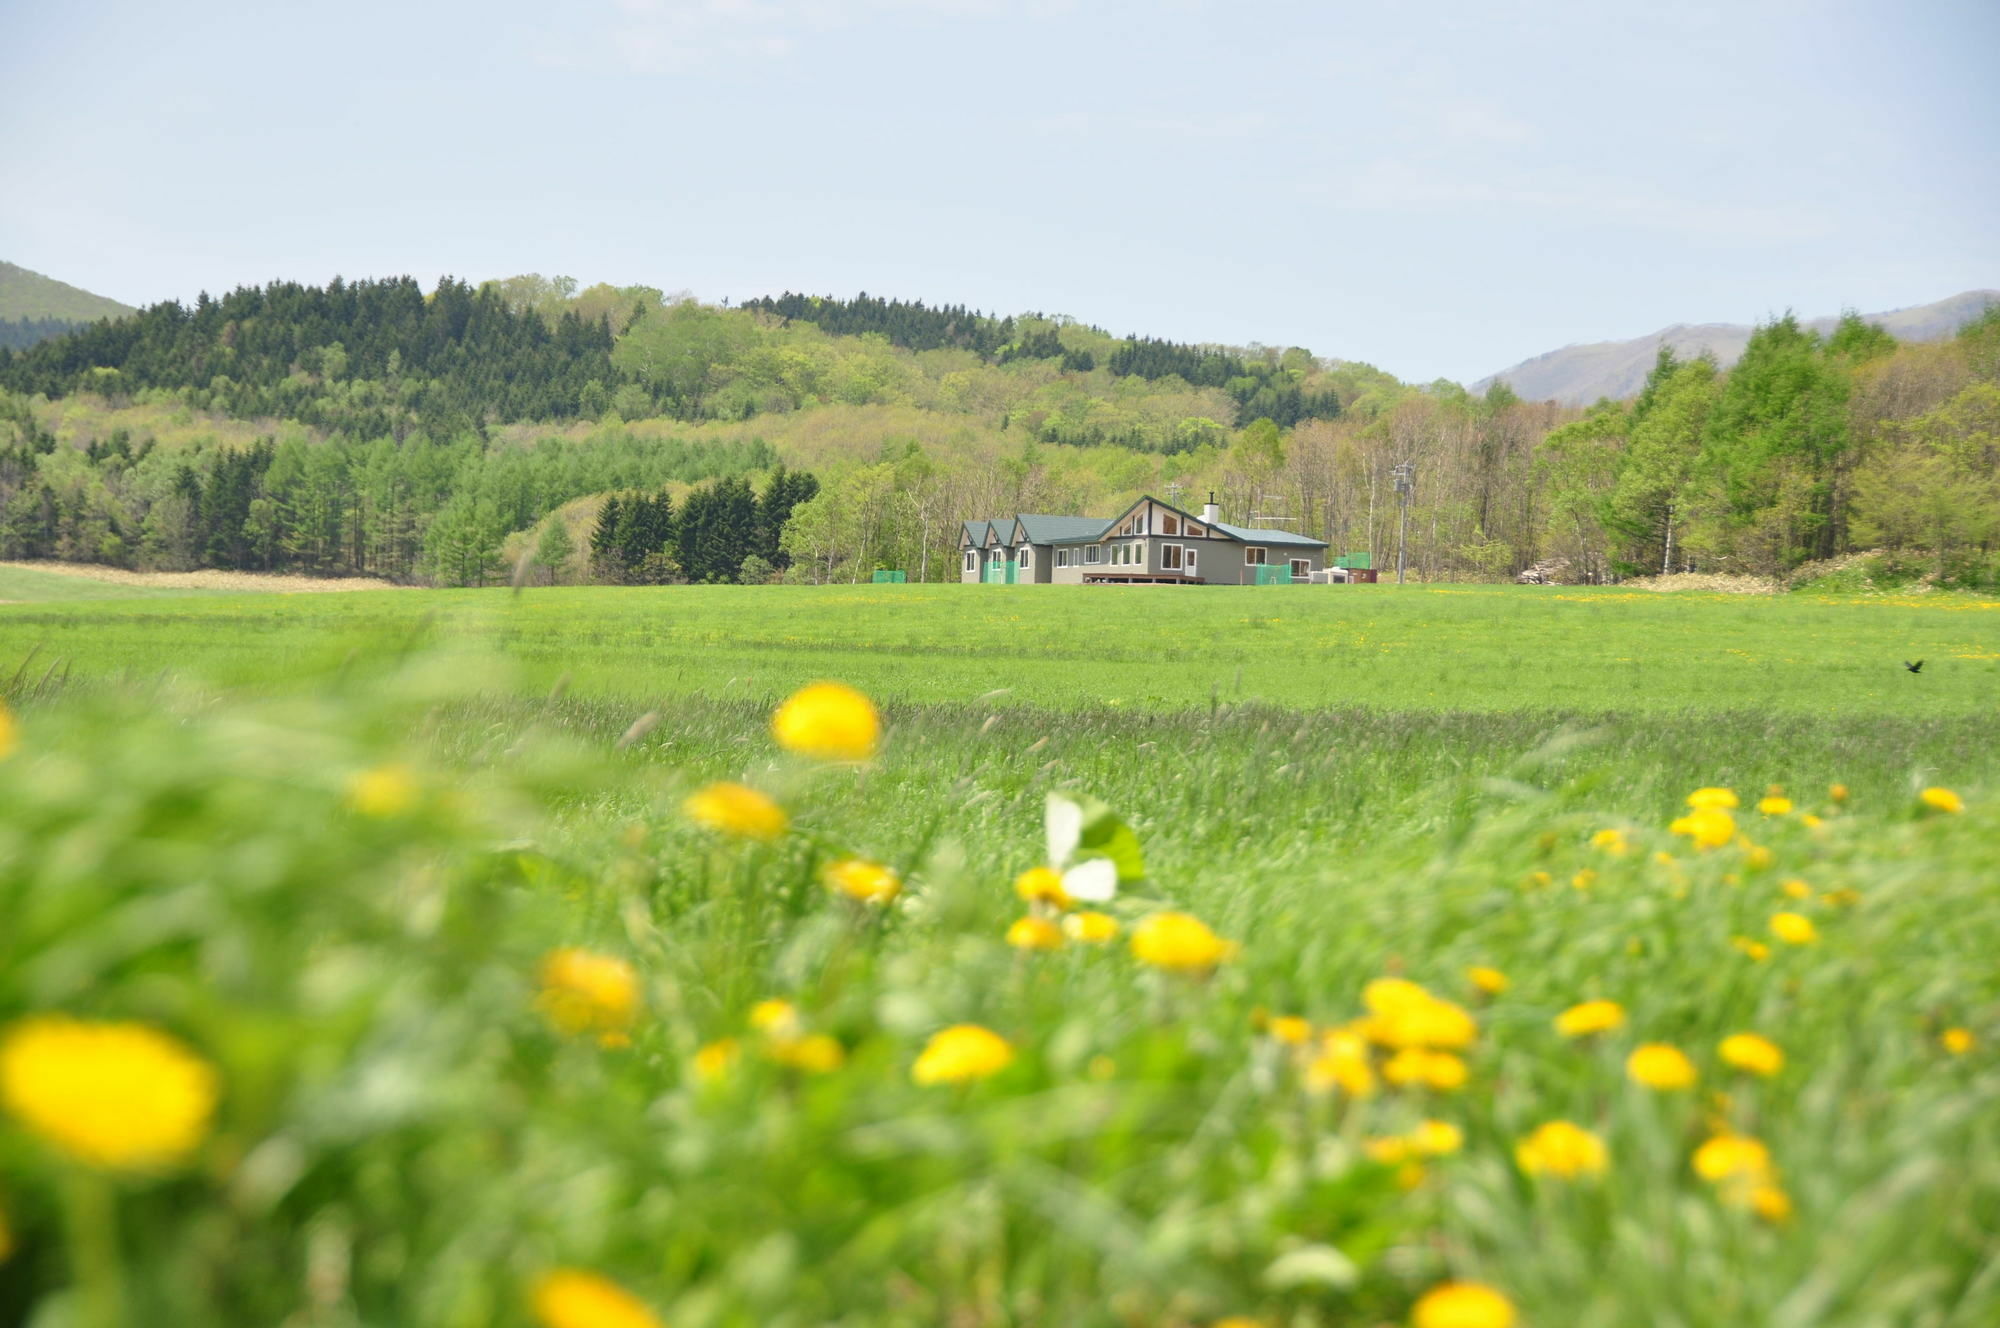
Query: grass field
482, 1002
1417, 649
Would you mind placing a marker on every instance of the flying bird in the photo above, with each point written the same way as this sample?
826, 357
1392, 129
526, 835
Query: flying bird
1917, 667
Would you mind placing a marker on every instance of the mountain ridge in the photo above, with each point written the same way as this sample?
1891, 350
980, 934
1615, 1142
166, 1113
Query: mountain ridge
26, 294
1583, 372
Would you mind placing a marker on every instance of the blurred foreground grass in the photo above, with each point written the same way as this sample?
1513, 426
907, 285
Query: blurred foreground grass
481, 1003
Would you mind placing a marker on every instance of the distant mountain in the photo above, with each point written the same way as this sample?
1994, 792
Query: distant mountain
1580, 375
34, 307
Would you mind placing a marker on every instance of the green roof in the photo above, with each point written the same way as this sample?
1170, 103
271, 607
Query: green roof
977, 530
1060, 529
1252, 535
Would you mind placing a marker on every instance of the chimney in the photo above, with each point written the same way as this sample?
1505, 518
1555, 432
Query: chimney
1210, 512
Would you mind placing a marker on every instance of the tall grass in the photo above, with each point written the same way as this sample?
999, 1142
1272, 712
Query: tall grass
403, 1137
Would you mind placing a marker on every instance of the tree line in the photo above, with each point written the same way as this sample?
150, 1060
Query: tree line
365, 357
21, 333
723, 531
407, 509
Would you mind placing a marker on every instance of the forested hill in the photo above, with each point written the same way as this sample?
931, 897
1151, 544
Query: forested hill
380, 357
368, 357
34, 307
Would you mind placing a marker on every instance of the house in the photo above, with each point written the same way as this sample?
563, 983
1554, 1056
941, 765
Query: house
1150, 543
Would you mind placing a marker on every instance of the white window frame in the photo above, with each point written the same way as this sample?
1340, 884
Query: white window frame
1169, 524
1094, 554
1193, 530
1256, 555
971, 560
1170, 557
1027, 557
1301, 567
1188, 552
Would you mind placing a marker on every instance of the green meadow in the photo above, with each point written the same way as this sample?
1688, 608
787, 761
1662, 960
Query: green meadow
1419, 649
344, 851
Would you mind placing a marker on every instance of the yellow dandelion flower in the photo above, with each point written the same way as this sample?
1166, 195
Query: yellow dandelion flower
1033, 933
10, 732
1539, 880
714, 1061
961, 1054
1811, 822
863, 881
1660, 1066
1708, 827
1418, 1067
775, 1018
1463, 1305
815, 1053
1179, 942
1774, 806
1757, 950
1403, 1014
573, 1298
1612, 841
1090, 927
1794, 928
1562, 1149
1042, 885
120, 1096
1584, 879
830, 721
1237, 1321
1292, 1030
1732, 1157
1713, 800
386, 792
1342, 1063
1436, 1138
1837, 792
1752, 1053
1796, 889
1757, 857
1942, 800
586, 992
1842, 898
736, 809
1487, 981
1771, 1203
1590, 1017
1957, 1041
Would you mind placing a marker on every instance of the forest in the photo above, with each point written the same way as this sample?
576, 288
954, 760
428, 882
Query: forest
442, 437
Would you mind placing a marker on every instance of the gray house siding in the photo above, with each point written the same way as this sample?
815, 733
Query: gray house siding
1137, 544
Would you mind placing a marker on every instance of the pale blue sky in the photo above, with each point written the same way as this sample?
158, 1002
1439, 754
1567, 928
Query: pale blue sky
1439, 189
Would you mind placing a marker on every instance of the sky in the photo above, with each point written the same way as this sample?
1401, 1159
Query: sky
1438, 189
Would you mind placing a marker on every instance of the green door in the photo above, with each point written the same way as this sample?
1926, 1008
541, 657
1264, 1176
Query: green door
1013, 571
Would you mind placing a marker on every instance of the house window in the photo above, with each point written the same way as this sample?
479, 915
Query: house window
1254, 556
1193, 531
1027, 558
1169, 524
1170, 557
1302, 567
971, 561
1094, 554
1139, 554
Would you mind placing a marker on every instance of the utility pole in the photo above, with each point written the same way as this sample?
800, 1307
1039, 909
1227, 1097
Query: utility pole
1405, 475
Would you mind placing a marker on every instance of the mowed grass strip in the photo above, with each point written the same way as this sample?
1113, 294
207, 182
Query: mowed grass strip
1435, 648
